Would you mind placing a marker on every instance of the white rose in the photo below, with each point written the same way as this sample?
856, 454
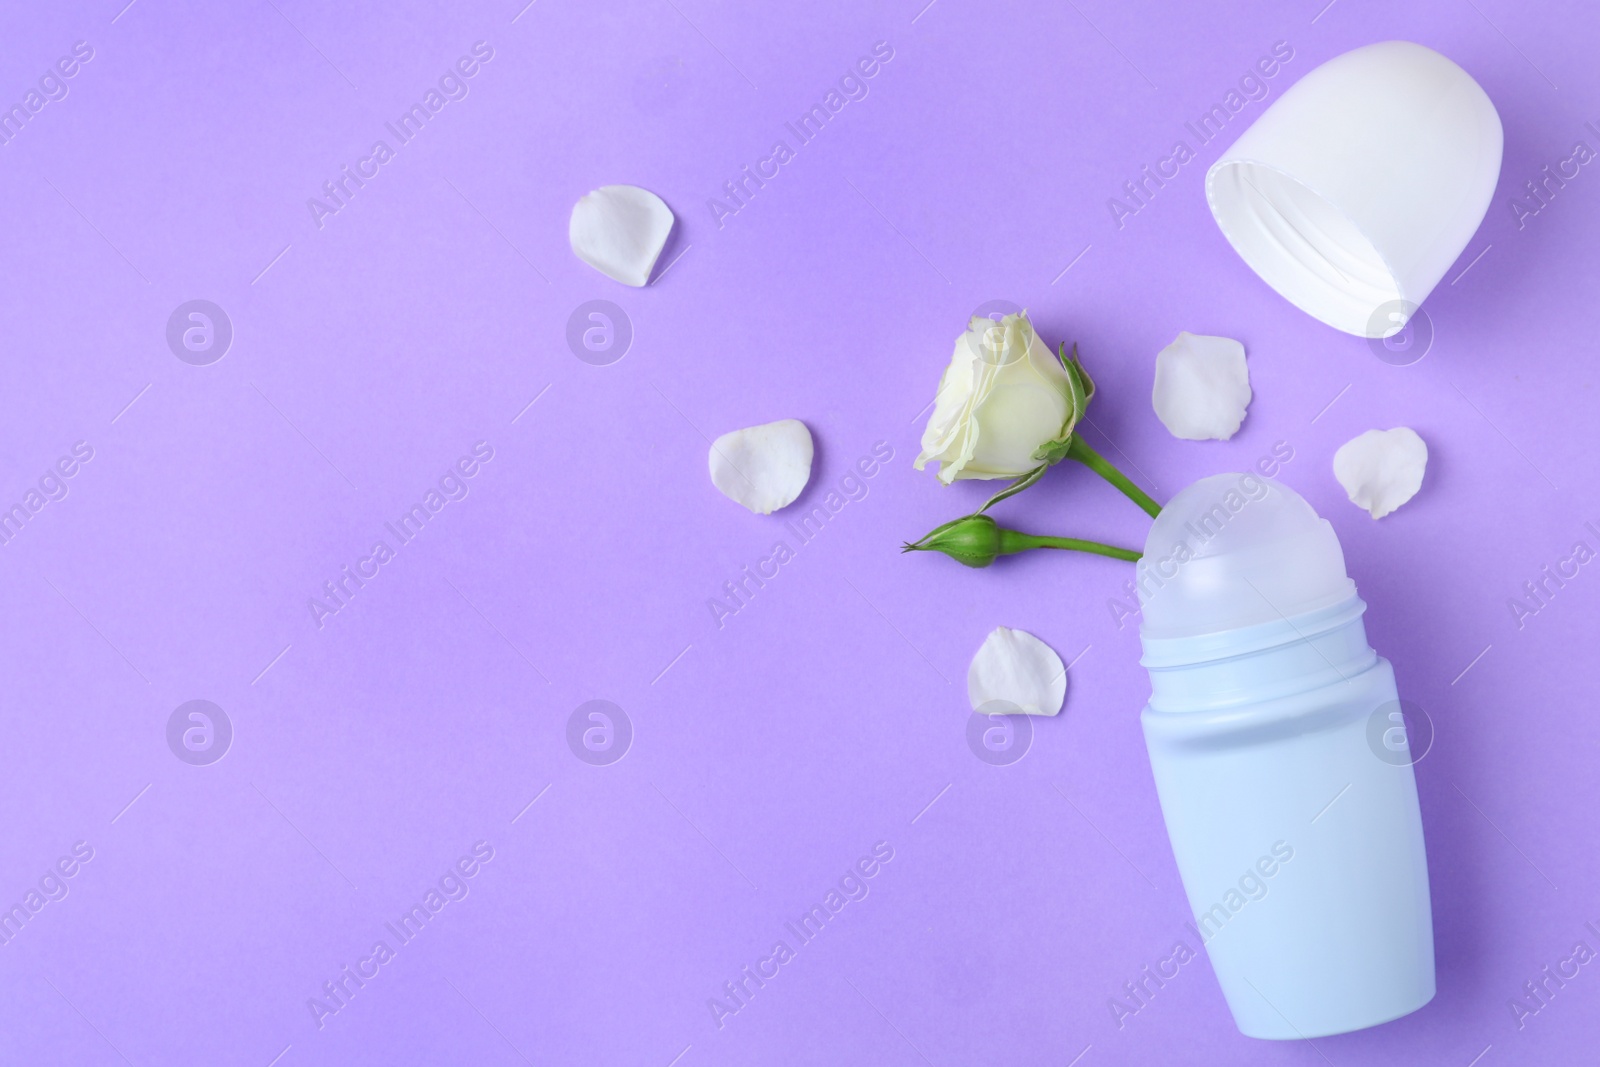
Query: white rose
1003, 396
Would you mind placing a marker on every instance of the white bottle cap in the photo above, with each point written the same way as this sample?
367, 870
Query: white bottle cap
1359, 187
1237, 550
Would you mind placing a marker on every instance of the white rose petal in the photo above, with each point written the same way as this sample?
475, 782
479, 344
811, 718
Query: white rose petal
1003, 395
1381, 469
1016, 673
763, 467
1202, 387
619, 230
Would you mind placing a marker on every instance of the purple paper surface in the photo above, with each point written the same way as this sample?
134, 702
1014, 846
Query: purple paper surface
365, 347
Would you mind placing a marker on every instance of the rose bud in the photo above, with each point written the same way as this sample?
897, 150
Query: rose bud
973, 540
976, 540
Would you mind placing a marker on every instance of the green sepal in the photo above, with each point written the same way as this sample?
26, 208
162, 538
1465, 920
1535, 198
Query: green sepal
1074, 367
1052, 452
1015, 487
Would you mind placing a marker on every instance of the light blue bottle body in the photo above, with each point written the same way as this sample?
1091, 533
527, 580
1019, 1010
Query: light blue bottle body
1282, 766
1270, 754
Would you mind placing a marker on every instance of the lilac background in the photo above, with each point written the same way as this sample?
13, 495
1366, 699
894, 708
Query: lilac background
829, 713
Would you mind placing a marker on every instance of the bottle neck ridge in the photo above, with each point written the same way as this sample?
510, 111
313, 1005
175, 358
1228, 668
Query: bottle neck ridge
1268, 661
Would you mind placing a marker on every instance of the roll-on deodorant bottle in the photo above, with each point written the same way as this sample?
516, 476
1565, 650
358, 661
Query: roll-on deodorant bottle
1297, 834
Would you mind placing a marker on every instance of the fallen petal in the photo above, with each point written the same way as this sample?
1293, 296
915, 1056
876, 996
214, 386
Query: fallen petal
619, 230
1381, 469
1202, 387
1015, 673
763, 467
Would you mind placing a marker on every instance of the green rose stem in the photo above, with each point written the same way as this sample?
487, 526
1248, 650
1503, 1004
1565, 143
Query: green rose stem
977, 540
1014, 541
1080, 451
